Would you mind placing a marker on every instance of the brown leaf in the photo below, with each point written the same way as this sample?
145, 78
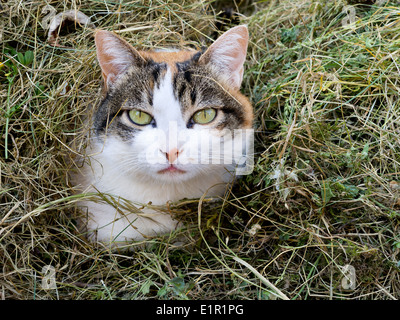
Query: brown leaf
60, 20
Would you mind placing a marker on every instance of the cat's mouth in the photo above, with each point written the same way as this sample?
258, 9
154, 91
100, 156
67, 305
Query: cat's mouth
171, 169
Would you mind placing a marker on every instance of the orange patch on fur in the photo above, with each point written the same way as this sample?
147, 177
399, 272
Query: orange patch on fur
168, 57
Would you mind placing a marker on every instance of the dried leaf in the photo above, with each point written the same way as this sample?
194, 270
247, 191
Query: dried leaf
59, 21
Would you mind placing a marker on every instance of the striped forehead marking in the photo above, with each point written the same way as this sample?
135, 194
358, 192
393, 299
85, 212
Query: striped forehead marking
166, 106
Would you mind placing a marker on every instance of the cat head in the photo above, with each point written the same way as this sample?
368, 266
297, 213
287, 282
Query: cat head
172, 115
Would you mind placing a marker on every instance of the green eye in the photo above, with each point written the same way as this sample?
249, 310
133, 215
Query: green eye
139, 117
204, 116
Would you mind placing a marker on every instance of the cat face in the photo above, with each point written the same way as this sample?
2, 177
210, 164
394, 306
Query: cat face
171, 116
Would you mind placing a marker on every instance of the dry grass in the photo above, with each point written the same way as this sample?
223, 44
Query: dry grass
325, 192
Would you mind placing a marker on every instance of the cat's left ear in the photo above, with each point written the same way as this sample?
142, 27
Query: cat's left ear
227, 55
115, 55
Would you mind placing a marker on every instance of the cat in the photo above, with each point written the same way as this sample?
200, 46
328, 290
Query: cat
144, 145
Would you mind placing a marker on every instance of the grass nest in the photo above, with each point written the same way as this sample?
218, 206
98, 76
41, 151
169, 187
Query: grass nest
317, 219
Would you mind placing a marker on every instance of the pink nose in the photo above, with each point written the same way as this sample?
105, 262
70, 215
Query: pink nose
172, 155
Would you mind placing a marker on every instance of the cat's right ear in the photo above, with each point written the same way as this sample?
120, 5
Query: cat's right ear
227, 55
115, 55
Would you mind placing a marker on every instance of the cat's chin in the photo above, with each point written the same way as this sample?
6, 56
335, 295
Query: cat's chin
177, 174
171, 170
173, 173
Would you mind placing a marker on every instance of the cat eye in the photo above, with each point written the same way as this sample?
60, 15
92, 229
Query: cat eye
204, 116
139, 117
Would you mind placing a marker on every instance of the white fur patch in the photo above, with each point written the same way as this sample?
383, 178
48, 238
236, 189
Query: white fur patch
166, 108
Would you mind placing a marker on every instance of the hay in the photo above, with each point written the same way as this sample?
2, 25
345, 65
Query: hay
325, 192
